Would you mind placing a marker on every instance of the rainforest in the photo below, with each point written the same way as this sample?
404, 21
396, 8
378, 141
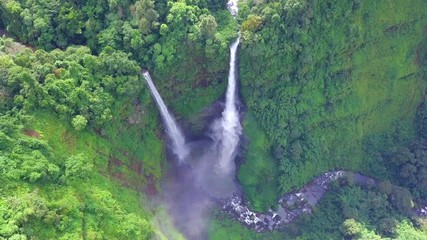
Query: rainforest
208, 119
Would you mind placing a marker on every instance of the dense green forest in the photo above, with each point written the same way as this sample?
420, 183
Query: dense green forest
55, 178
331, 84
326, 77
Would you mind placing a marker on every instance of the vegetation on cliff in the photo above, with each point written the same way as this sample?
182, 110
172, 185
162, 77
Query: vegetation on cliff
335, 84
323, 77
61, 179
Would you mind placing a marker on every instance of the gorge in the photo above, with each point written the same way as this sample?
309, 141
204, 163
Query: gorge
212, 174
208, 119
211, 177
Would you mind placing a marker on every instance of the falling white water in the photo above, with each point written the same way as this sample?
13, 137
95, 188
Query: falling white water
172, 129
232, 7
228, 129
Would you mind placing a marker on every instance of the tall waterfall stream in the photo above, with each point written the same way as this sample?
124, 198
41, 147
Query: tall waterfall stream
174, 132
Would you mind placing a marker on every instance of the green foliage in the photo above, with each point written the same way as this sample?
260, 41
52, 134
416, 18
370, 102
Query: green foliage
222, 227
57, 181
258, 172
24, 157
77, 166
404, 164
351, 228
374, 217
145, 16
405, 231
165, 37
73, 83
19, 210
421, 120
79, 122
48, 209
410, 166
44, 23
251, 24
320, 77
132, 26
208, 26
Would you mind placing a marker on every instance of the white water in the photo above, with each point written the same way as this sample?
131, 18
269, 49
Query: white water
227, 130
212, 174
174, 132
232, 7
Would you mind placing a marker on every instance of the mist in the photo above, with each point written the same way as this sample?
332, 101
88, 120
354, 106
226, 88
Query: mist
191, 190
202, 171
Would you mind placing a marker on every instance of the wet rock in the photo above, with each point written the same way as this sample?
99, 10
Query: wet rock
292, 205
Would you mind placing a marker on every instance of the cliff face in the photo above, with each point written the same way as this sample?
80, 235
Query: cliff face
323, 76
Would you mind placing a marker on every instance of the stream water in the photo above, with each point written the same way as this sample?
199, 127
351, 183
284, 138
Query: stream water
292, 205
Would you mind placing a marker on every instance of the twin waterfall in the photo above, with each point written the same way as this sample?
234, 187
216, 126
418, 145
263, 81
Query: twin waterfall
226, 131
206, 168
174, 132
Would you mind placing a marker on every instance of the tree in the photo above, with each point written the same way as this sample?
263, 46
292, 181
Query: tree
351, 228
402, 199
421, 119
387, 227
79, 122
163, 29
145, 15
386, 187
77, 166
296, 150
207, 26
251, 24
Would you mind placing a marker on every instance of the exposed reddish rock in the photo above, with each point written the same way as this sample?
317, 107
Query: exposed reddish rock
150, 188
136, 166
31, 133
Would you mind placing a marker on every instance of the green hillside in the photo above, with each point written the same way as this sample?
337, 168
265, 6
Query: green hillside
323, 76
60, 179
324, 85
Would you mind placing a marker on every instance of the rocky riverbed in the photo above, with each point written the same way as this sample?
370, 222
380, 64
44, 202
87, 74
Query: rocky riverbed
293, 204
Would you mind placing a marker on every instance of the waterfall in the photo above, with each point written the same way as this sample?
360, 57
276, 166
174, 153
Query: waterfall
174, 132
228, 129
232, 7
210, 175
